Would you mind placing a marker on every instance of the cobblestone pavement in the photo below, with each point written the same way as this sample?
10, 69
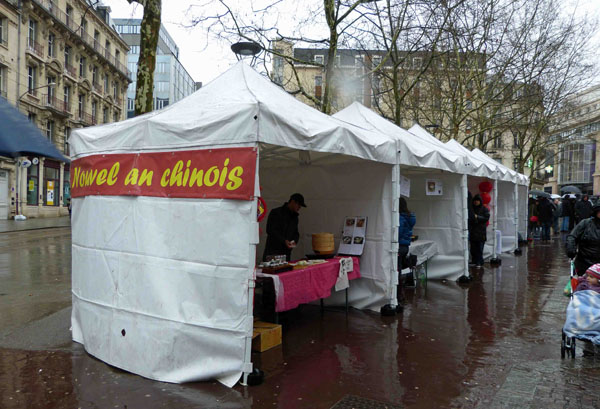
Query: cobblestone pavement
492, 344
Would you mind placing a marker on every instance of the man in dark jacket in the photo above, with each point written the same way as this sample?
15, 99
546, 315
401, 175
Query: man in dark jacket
583, 243
478, 219
282, 228
545, 211
583, 209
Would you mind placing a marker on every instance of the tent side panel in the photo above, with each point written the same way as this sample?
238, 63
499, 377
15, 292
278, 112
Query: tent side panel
160, 286
506, 215
331, 192
523, 211
439, 218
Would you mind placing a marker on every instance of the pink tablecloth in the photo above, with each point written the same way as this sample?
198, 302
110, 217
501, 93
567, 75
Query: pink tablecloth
310, 283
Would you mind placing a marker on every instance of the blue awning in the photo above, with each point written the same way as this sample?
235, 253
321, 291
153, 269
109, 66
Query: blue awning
20, 137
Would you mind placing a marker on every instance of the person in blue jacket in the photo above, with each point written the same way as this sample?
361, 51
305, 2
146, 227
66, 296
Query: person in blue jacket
405, 230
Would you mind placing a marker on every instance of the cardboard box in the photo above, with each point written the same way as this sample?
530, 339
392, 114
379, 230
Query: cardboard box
266, 336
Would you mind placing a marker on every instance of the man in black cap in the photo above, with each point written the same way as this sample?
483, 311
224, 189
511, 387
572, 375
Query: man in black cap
282, 228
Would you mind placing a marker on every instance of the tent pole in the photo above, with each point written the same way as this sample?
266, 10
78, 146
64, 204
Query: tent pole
465, 278
517, 249
393, 307
252, 376
495, 260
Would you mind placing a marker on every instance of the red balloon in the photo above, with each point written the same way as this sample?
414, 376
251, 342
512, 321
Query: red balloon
486, 198
486, 186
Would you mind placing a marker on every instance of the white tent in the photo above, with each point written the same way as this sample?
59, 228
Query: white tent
440, 218
163, 284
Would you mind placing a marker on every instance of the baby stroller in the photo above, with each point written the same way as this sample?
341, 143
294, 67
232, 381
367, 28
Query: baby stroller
582, 321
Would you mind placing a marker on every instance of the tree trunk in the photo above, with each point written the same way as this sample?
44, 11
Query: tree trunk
149, 33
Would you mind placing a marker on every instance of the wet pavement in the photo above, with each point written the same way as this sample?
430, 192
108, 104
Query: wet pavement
492, 344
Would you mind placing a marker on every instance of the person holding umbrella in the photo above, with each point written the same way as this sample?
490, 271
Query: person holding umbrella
583, 209
583, 243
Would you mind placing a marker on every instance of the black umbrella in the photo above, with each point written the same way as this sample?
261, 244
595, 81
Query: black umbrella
539, 193
570, 189
20, 137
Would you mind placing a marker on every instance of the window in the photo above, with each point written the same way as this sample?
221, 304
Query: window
117, 56
67, 97
3, 30
52, 182
66, 149
132, 66
50, 130
105, 115
31, 79
516, 164
96, 39
497, 140
51, 39
376, 60
106, 82
32, 33
468, 125
32, 184
319, 59
469, 104
107, 46
94, 111
161, 67
115, 89
80, 106
134, 49
94, 75
516, 138
417, 62
83, 25
82, 67
69, 16
51, 94
162, 86
31, 117
115, 117
67, 56
338, 61
160, 103
318, 86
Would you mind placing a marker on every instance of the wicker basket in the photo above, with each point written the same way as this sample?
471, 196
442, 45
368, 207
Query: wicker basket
322, 243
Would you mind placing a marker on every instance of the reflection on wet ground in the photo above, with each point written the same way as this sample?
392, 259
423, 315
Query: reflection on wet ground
491, 343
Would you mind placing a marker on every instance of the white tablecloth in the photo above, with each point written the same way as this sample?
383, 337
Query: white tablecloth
423, 249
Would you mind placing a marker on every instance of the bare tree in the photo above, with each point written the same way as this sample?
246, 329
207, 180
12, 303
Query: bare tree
149, 33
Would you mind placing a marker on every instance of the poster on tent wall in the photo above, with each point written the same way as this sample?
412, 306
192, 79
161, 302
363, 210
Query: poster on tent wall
353, 236
404, 186
227, 173
434, 187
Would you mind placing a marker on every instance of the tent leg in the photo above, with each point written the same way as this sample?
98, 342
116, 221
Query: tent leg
394, 307
466, 277
518, 250
495, 260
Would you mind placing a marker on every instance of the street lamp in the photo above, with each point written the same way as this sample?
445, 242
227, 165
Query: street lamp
245, 49
33, 89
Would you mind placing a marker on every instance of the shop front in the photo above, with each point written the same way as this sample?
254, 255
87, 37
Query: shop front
46, 187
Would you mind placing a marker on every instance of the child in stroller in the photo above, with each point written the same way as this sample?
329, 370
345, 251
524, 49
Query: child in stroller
583, 313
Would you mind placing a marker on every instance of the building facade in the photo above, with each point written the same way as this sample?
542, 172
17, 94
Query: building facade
469, 105
576, 161
64, 66
171, 81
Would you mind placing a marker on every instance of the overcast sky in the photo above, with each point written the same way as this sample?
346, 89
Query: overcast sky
205, 59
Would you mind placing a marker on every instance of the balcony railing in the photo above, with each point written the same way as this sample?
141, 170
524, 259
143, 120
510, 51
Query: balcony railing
72, 71
85, 117
35, 47
57, 104
32, 92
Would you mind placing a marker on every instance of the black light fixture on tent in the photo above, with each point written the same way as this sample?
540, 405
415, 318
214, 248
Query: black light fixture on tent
246, 49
